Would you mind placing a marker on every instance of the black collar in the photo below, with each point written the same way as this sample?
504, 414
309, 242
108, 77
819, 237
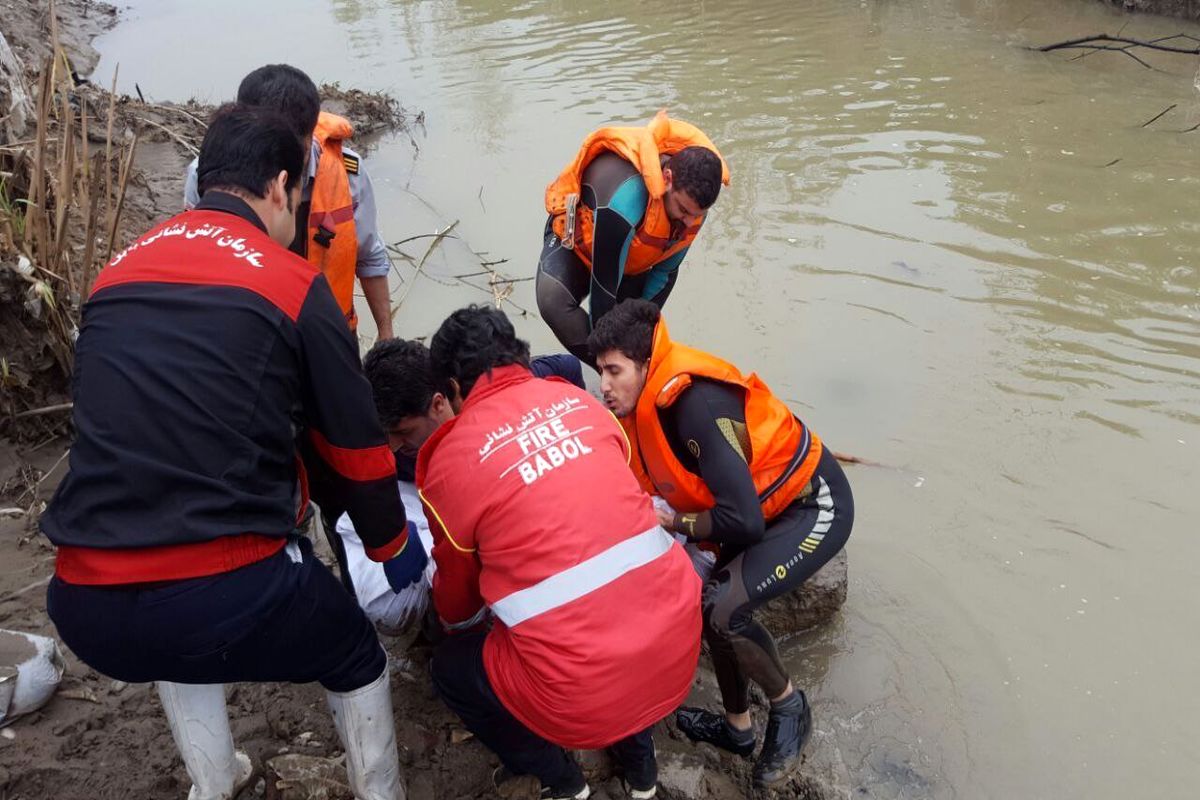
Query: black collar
214, 200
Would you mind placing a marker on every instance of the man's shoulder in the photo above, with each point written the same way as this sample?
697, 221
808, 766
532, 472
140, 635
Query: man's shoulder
352, 160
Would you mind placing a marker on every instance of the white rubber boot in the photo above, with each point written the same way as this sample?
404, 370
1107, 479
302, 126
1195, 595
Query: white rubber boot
200, 725
365, 725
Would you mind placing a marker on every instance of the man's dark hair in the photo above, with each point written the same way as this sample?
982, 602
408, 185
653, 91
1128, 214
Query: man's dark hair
401, 379
245, 148
629, 328
288, 91
697, 171
471, 342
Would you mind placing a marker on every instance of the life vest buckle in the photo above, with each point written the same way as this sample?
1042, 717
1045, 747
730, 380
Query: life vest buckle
568, 240
324, 236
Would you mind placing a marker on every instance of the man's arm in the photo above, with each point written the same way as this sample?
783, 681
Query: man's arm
373, 262
710, 419
613, 228
455, 590
661, 279
349, 464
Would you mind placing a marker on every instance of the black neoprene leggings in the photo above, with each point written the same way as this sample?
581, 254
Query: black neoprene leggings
798, 542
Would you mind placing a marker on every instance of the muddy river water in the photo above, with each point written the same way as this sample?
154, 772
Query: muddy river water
960, 258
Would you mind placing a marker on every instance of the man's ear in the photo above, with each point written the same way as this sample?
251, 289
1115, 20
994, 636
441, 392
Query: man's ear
455, 397
278, 192
668, 179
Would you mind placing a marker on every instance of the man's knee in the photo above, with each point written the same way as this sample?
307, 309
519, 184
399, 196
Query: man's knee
717, 608
456, 663
365, 664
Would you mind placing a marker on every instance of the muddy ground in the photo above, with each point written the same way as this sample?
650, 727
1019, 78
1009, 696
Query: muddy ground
102, 739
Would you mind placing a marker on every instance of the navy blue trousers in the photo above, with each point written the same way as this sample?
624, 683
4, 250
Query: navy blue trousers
279, 619
462, 682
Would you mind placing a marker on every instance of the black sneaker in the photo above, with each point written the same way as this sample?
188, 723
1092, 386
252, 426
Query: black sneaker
502, 775
700, 725
788, 728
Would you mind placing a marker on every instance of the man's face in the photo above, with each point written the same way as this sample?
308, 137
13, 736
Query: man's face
409, 433
621, 381
680, 206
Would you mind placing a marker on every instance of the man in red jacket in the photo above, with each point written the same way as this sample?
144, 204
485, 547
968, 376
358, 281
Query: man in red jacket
538, 523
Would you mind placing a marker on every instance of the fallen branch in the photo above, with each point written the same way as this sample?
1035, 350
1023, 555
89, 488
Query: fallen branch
1159, 115
437, 239
846, 458
1150, 44
195, 151
37, 412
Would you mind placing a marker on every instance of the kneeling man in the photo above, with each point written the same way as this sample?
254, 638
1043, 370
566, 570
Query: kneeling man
538, 522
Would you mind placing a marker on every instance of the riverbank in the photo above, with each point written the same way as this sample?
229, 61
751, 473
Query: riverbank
1184, 9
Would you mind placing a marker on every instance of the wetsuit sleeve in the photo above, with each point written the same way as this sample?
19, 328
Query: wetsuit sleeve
615, 222
455, 590
710, 420
661, 279
191, 186
345, 452
373, 259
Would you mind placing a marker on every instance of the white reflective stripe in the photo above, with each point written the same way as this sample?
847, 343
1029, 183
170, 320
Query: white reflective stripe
825, 504
583, 578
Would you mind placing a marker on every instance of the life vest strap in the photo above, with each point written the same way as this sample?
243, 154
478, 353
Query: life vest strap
794, 464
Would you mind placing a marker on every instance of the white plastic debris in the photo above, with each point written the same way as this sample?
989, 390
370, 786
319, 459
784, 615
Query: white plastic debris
31, 668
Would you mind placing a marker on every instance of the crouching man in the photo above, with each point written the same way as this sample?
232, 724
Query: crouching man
741, 471
205, 345
539, 523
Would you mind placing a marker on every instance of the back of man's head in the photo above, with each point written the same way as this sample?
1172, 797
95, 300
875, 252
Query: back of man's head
245, 149
697, 171
471, 342
401, 379
287, 90
628, 328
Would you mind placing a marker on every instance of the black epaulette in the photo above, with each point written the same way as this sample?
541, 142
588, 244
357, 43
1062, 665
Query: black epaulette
351, 163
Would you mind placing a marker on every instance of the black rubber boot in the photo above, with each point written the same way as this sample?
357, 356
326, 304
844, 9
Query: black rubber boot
700, 725
788, 728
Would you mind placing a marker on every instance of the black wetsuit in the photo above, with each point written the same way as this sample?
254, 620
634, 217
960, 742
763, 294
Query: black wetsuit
759, 560
615, 191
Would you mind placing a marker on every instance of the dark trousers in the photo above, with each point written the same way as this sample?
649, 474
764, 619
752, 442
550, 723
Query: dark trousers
462, 682
285, 618
798, 542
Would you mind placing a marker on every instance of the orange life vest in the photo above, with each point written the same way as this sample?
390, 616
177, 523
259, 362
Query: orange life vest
642, 147
332, 237
783, 451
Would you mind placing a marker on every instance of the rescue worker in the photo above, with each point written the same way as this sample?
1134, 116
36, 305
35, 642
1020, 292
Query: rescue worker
622, 217
596, 619
197, 363
738, 470
336, 225
410, 407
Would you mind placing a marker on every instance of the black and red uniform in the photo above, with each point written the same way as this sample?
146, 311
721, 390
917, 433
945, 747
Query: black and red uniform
216, 384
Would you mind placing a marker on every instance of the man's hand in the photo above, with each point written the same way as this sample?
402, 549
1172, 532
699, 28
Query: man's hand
406, 568
666, 517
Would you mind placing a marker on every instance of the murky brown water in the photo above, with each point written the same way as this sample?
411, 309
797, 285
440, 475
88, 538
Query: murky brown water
954, 256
